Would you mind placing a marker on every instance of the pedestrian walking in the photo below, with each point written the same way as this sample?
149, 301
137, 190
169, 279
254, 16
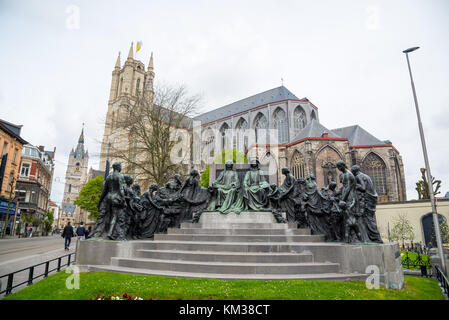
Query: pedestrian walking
81, 231
67, 234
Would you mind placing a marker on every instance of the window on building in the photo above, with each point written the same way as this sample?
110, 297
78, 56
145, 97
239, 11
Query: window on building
14, 159
5, 147
260, 124
242, 136
70, 188
298, 166
313, 115
299, 119
209, 137
25, 170
137, 87
375, 167
223, 132
280, 123
10, 182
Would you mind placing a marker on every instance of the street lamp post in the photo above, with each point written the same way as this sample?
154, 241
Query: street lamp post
426, 161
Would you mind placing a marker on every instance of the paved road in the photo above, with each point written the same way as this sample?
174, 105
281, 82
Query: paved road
16, 254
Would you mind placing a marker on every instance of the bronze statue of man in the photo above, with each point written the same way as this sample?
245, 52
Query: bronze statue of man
112, 206
255, 189
348, 203
368, 199
227, 185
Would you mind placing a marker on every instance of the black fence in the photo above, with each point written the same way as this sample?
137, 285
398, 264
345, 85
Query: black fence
417, 261
444, 283
31, 273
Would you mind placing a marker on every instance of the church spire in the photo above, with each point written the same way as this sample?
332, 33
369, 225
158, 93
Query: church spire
81, 138
150, 64
130, 54
117, 63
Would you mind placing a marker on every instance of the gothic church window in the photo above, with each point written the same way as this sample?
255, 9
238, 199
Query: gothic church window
241, 135
223, 132
375, 167
298, 166
260, 124
280, 123
313, 115
299, 119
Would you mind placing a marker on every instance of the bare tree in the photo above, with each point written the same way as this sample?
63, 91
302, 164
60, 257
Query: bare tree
154, 125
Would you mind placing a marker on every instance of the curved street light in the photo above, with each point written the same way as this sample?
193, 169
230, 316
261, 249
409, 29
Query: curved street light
426, 161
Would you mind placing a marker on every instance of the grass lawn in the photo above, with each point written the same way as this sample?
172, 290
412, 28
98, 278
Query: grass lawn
94, 285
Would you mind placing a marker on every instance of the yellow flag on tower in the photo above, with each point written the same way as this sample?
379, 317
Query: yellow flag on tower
139, 46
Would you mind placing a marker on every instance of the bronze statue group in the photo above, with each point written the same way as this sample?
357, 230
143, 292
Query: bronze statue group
345, 214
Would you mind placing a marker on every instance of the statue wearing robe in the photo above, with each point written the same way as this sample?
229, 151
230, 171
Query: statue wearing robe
286, 195
228, 195
368, 199
255, 189
152, 217
195, 195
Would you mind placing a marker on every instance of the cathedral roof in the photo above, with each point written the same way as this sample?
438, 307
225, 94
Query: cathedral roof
358, 136
314, 129
269, 96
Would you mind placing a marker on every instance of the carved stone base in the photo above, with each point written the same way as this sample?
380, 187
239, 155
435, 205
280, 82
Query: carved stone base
217, 219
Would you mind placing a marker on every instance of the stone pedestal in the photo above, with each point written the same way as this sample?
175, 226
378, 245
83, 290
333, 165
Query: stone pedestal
246, 246
217, 219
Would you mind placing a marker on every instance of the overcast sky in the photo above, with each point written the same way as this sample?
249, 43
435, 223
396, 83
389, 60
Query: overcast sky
56, 59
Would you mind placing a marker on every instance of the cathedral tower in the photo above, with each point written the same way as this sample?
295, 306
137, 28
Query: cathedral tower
75, 178
127, 83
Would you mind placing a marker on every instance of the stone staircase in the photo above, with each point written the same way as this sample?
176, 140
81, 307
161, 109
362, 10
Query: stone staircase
233, 250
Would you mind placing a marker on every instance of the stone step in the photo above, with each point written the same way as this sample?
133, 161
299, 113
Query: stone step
296, 247
239, 238
225, 256
226, 267
316, 276
188, 225
239, 231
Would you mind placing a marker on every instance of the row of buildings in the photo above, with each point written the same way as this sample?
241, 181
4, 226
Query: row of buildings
26, 175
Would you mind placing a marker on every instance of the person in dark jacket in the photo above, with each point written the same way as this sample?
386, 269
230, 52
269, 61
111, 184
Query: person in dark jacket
81, 231
67, 234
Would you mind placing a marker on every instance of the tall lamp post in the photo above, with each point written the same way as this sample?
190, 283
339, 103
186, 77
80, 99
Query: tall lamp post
426, 161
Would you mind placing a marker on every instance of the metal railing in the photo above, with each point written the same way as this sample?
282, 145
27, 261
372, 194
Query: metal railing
419, 263
31, 276
444, 283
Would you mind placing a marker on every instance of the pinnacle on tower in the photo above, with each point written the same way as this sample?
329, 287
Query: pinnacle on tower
117, 63
150, 64
130, 54
81, 139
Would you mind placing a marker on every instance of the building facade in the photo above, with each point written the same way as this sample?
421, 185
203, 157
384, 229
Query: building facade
11, 145
275, 126
282, 130
35, 181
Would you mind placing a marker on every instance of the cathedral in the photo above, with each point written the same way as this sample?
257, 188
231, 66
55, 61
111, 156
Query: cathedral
300, 142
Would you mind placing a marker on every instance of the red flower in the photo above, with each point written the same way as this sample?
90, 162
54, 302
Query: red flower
108, 299
125, 295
